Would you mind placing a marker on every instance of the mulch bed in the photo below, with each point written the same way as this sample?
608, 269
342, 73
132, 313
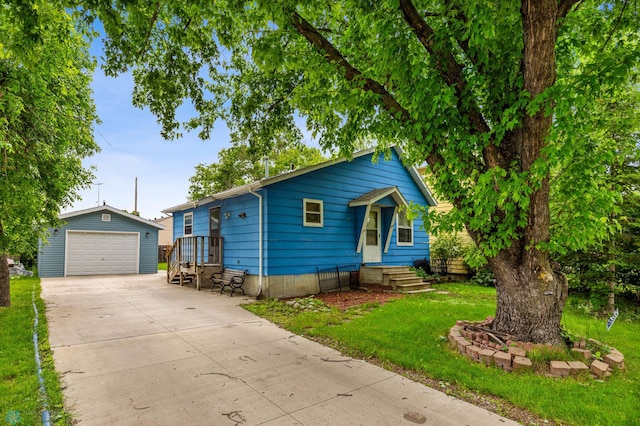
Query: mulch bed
347, 299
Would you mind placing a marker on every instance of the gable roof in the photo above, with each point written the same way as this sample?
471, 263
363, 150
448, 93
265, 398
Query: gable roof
251, 187
376, 195
112, 210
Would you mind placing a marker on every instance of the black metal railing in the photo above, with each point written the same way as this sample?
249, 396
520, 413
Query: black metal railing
339, 277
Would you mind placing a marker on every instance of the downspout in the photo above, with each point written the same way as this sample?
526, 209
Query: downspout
259, 240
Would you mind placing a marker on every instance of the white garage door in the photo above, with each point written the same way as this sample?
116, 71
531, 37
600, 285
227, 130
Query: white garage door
101, 253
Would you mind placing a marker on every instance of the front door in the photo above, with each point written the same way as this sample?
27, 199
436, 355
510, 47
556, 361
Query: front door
215, 247
372, 252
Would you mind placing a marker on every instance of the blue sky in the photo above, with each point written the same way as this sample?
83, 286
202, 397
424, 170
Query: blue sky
131, 146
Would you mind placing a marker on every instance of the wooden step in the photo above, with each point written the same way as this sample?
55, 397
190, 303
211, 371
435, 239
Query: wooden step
188, 278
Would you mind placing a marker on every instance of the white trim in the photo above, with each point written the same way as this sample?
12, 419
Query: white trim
376, 195
112, 210
378, 251
363, 228
260, 241
398, 242
390, 232
304, 213
184, 224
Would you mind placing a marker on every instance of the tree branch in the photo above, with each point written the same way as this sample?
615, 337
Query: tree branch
350, 72
154, 18
333, 56
464, 44
451, 71
564, 7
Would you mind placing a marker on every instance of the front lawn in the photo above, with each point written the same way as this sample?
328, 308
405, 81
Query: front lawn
20, 399
410, 333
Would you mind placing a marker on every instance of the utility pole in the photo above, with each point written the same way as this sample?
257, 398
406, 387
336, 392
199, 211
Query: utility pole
135, 205
98, 185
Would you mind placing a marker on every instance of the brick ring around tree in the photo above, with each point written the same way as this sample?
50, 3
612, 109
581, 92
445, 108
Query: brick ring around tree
477, 342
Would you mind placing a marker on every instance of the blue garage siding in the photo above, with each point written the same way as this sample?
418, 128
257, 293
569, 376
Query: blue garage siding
292, 248
51, 255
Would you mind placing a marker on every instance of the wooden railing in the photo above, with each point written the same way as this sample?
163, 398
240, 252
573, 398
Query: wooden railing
189, 255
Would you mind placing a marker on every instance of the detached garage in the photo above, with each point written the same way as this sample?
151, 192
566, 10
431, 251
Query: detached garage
100, 241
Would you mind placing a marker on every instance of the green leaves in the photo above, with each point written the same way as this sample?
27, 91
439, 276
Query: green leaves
241, 164
46, 120
449, 84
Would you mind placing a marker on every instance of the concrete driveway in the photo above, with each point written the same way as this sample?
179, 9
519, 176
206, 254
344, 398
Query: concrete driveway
133, 350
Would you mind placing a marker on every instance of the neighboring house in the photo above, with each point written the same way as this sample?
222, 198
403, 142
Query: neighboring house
282, 229
165, 237
457, 266
100, 241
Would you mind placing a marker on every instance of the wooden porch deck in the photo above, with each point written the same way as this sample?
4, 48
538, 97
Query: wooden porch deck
192, 258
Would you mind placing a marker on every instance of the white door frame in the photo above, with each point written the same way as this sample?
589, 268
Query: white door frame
373, 253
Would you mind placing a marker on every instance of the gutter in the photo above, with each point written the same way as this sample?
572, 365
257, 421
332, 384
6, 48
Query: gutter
260, 240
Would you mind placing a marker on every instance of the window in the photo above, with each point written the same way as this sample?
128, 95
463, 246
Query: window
313, 213
404, 230
106, 217
188, 224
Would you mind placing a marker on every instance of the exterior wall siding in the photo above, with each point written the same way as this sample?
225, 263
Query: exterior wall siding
51, 254
240, 233
293, 250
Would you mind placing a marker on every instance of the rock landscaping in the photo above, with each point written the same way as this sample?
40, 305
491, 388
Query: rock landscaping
477, 342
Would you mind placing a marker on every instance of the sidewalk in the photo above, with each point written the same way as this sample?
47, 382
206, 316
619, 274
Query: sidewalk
133, 350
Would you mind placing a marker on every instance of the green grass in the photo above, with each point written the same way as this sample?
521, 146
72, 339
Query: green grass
20, 401
162, 266
410, 333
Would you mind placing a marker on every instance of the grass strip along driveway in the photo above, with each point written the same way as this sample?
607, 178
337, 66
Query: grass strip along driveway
21, 402
409, 335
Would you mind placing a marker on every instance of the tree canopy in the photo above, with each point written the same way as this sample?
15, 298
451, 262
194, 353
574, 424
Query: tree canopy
492, 95
239, 165
46, 119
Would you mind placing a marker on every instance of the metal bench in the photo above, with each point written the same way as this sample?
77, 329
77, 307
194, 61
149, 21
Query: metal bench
232, 278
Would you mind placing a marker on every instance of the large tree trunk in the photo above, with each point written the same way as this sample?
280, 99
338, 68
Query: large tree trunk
531, 295
531, 298
5, 295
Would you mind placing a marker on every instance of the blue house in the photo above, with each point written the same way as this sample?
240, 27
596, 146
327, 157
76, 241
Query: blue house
283, 229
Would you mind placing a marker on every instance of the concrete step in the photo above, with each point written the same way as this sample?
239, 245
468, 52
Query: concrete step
387, 278
405, 280
424, 290
400, 283
413, 287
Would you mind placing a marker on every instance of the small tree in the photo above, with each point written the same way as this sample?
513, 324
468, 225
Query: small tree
240, 164
444, 249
